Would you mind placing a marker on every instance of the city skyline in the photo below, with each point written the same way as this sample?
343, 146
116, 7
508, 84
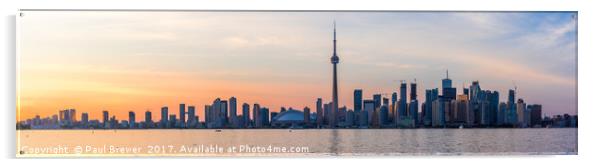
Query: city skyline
297, 85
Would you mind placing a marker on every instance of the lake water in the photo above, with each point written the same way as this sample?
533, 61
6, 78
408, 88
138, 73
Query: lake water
297, 142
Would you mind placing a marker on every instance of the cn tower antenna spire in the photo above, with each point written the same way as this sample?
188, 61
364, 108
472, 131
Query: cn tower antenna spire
446, 74
335, 36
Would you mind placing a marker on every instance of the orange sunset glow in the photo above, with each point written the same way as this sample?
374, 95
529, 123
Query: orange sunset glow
138, 61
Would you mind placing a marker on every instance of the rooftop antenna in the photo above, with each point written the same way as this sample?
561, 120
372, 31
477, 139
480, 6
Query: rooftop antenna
446, 74
335, 29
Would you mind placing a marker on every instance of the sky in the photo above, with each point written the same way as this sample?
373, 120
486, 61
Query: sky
139, 61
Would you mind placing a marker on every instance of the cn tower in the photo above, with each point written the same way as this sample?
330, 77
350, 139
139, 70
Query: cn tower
335, 94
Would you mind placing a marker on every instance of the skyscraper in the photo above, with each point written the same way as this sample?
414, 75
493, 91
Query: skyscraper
148, 119
105, 118
357, 100
172, 121
521, 113
462, 109
245, 115
233, 119
164, 116
208, 115
216, 120
413, 94
402, 106
403, 92
223, 113
265, 117
431, 96
132, 119
535, 111
306, 116
511, 96
413, 111
85, 119
413, 105
377, 100
369, 109
320, 112
335, 95
446, 82
256, 115
191, 117
182, 115
511, 113
449, 92
393, 98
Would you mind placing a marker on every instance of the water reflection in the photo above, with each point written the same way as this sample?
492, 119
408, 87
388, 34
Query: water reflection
324, 141
334, 142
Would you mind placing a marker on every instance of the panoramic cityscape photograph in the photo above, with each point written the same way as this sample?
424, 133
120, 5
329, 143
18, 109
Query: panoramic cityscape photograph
205, 83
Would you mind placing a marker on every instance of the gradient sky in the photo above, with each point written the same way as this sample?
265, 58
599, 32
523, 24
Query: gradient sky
122, 61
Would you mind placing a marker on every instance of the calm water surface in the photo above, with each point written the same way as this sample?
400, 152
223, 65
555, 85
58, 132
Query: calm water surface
298, 142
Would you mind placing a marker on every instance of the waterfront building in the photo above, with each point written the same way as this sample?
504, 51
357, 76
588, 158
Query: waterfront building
256, 115
382, 116
394, 98
438, 106
535, 110
233, 113
84, 119
148, 119
164, 116
402, 107
327, 110
357, 100
132, 119
265, 117
462, 108
413, 89
320, 113
370, 108
290, 118
182, 115
306, 116
414, 111
502, 115
430, 96
172, 121
521, 113
105, 118
223, 113
191, 123
245, 115
377, 98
